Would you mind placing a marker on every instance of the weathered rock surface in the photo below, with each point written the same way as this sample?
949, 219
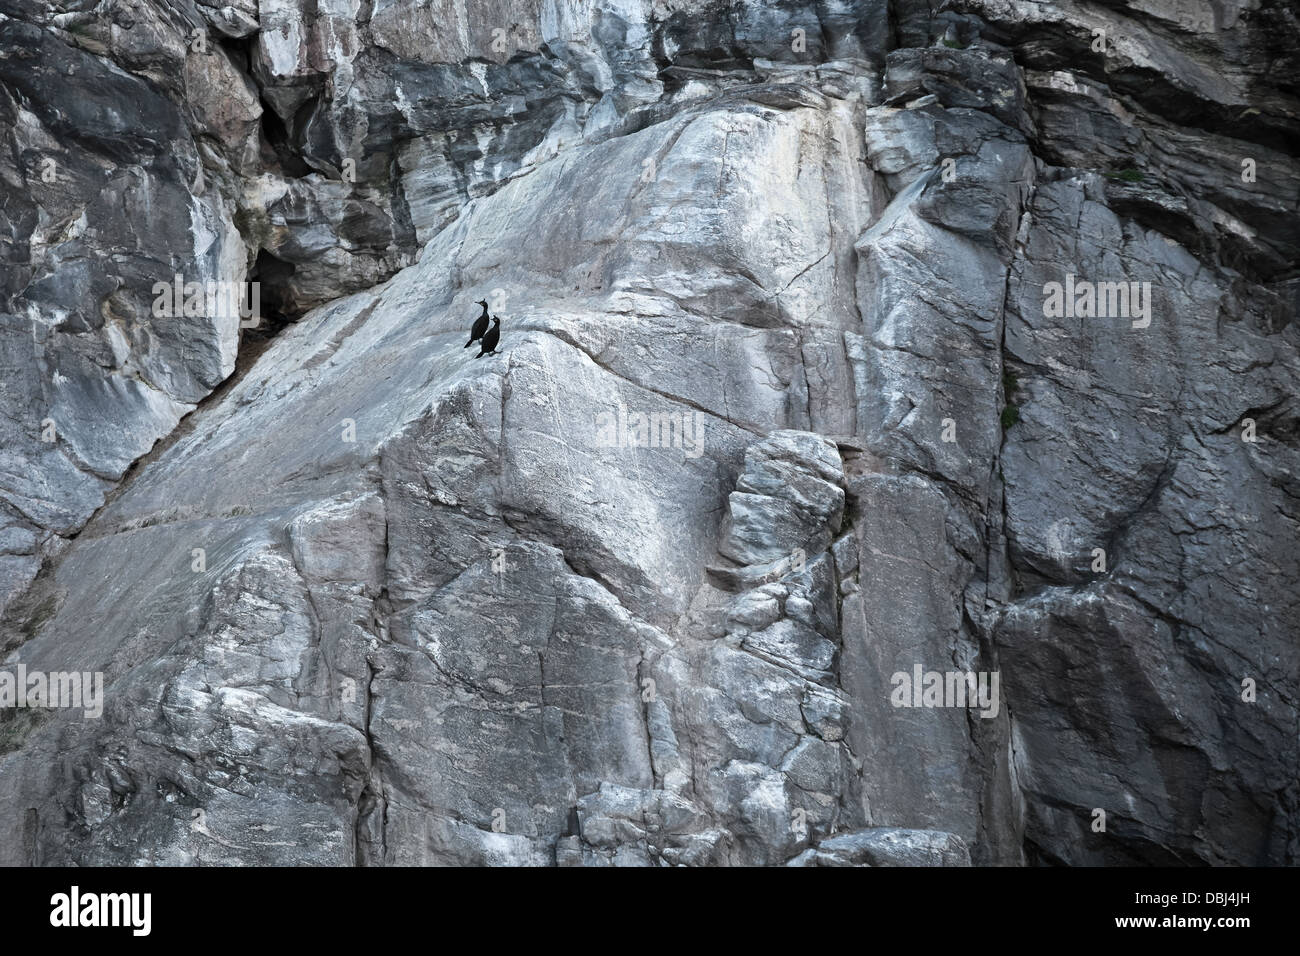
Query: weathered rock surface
378, 601
887, 847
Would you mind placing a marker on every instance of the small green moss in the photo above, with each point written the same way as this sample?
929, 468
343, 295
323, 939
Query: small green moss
954, 45
1129, 175
17, 725
1010, 415
1010, 382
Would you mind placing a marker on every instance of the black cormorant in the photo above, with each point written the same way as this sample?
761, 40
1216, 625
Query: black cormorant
480, 325
490, 339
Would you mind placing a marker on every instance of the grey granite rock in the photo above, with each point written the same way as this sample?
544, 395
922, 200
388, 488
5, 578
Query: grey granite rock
887, 847
790, 524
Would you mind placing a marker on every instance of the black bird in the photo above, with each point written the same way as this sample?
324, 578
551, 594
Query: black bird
490, 339
480, 325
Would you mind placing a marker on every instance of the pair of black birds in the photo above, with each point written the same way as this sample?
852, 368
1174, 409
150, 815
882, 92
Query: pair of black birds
489, 337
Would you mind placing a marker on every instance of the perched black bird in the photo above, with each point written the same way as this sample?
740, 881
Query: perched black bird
490, 339
480, 325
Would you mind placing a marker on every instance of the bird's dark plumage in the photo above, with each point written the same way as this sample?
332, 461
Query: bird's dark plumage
480, 325
491, 338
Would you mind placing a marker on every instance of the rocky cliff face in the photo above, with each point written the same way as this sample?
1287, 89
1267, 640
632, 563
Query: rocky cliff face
843, 343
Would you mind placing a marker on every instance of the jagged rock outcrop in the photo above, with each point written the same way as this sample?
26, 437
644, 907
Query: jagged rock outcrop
782, 422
